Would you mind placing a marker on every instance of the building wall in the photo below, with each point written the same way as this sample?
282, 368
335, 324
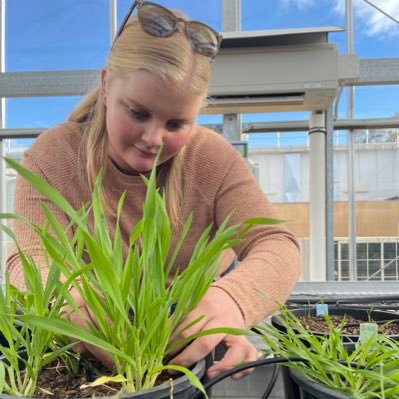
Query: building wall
376, 189
373, 218
375, 171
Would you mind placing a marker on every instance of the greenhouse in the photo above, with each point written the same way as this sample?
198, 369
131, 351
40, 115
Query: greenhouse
300, 245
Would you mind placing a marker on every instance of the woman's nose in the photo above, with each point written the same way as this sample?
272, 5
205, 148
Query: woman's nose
153, 136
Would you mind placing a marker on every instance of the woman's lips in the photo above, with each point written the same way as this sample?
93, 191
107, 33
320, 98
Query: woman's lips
146, 153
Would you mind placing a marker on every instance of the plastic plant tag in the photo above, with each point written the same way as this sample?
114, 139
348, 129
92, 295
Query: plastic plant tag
321, 309
367, 330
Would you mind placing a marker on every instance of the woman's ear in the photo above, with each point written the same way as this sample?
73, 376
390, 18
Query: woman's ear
104, 83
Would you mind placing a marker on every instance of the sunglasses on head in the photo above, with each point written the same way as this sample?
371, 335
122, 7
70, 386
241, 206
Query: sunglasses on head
160, 22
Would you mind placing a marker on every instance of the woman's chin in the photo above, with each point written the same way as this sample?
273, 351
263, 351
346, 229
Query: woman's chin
134, 168
144, 167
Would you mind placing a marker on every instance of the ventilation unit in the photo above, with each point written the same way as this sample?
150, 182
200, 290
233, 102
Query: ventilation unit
285, 70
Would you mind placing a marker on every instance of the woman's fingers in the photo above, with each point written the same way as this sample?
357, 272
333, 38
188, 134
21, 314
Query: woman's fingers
100, 355
197, 349
218, 310
83, 318
239, 350
93, 352
182, 332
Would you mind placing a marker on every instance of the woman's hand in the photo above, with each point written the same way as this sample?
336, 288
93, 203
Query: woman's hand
82, 320
218, 310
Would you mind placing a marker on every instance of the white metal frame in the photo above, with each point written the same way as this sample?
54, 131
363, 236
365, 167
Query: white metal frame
46, 83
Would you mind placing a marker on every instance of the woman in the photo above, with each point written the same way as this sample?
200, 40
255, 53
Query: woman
153, 87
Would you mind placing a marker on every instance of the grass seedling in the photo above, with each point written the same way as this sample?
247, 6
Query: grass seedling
26, 349
130, 297
361, 370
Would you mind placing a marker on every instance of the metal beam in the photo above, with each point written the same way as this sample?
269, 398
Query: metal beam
47, 83
378, 71
329, 196
260, 127
317, 196
231, 15
231, 22
346, 288
3, 198
303, 126
20, 133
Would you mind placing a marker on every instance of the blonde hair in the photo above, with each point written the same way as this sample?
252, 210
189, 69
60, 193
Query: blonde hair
170, 58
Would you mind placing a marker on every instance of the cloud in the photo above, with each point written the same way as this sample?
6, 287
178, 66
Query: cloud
301, 4
373, 22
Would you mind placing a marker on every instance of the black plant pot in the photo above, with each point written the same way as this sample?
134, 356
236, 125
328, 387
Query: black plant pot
309, 389
291, 388
182, 388
361, 314
269, 379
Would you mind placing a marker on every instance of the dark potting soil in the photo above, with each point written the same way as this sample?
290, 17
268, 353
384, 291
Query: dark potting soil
56, 381
318, 324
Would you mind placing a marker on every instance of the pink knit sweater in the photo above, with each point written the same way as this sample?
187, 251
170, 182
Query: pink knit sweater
217, 181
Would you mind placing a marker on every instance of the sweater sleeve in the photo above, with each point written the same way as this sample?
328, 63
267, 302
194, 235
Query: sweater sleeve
27, 203
269, 260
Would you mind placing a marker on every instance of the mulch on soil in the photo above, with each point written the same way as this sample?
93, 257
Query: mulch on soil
56, 381
351, 327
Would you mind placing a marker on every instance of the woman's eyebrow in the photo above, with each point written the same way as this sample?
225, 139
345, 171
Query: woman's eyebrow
136, 103
142, 107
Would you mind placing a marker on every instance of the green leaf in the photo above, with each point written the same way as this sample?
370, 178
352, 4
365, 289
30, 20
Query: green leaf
2, 376
210, 331
46, 189
130, 299
104, 379
194, 381
62, 326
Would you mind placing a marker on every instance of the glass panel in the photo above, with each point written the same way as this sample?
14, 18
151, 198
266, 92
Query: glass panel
377, 188
377, 102
390, 271
10, 176
40, 36
375, 34
56, 35
344, 251
375, 268
362, 271
361, 251
345, 270
374, 251
207, 11
38, 112
389, 250
277, 14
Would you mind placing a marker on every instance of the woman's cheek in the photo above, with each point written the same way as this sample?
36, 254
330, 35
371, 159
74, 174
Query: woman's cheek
176, 142
127, 130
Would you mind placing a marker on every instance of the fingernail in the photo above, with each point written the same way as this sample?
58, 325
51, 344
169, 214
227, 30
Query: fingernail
213, 373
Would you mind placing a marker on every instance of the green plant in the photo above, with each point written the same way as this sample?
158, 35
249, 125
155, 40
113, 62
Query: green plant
130, 298
27, 349
365, 369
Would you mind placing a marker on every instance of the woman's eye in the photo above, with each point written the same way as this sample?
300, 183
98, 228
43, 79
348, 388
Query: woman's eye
137, 114
173, 126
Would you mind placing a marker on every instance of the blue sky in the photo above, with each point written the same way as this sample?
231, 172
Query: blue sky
67, 34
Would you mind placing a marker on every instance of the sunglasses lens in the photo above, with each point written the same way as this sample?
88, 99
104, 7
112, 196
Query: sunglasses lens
203, 38
157, 20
